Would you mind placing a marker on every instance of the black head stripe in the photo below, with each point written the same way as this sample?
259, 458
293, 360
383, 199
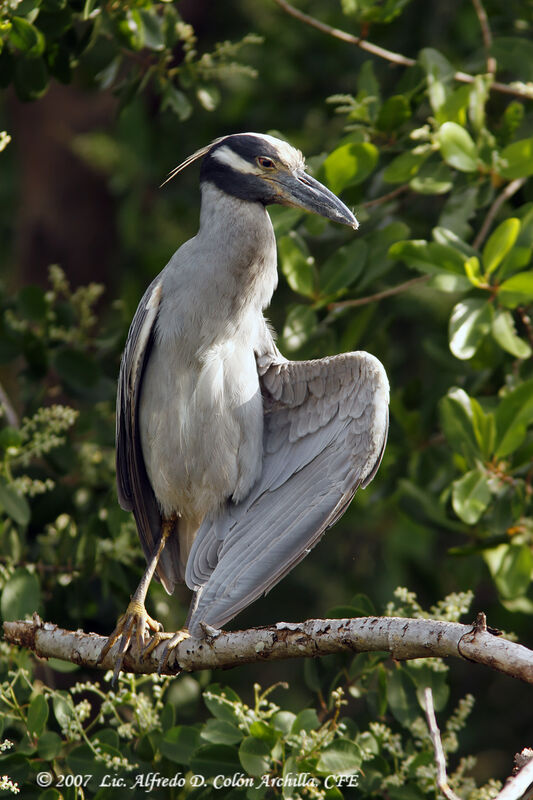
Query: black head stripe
231, 181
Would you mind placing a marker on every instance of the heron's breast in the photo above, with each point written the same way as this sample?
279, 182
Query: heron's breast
201, 427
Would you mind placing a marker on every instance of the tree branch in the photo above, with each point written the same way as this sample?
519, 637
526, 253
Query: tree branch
523, 90
440, 759
402, 638
486, 34
515, 787
374, 298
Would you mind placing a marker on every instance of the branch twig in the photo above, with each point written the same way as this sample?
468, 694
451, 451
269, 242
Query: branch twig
389, 55
378, 201
486, 34
510, 189
374, 298
515, 787
440, 759
402, 638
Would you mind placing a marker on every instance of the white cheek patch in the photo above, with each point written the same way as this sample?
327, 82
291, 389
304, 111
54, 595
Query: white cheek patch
225, 155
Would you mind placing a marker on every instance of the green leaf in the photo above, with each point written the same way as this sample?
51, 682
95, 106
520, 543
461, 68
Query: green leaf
470, 322
429, 257
513, 415
26, 37
504, 332
218, 731
215, 759
284, 219
404, 167
350, 164
439, 73
254, 755
401, 696
297, 265
306, 720
176, 101
37, 715
517, 160
300, 324
457, 147
14, 504
340, 757
471, 496
283, 721
262, 730
484, 429
49, 745
21, 596
512, 567
458, 424
499, 243
343, 267
432, 179
63, 710
153, 33
473, 271
223, 703
517, 290
393, 113
179, 743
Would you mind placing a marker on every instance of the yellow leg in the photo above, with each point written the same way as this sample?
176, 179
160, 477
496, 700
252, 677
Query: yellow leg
136, 619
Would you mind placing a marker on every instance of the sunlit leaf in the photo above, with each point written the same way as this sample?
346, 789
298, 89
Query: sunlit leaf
457, 147
504, 332
349, 164
300, 324
297, 265
470, 322
499, 243
471, 496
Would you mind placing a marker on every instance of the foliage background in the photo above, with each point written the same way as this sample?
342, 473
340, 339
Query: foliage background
101, 100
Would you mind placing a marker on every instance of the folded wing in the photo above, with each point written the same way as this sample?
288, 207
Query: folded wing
325, 431
135, 492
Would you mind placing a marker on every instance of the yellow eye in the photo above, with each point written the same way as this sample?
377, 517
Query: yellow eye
265, 163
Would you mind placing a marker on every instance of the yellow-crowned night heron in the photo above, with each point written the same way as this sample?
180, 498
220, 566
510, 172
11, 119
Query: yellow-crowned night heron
234, 460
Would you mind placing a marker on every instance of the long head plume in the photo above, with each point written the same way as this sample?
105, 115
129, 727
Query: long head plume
195, 156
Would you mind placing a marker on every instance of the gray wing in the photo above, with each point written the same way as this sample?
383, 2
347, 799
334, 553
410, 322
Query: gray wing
135, 492
325, 430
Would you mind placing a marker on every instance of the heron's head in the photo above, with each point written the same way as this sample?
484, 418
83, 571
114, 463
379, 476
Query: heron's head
263, 169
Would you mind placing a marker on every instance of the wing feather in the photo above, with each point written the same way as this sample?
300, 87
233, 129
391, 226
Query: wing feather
135, 492
325, 430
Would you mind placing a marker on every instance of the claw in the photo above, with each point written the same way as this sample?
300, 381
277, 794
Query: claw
135, 620
174, 640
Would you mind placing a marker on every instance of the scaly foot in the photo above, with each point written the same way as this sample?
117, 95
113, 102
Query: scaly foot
173, 641
136, 620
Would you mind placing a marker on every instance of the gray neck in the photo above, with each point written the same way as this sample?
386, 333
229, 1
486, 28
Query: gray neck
240, 238
218, 282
